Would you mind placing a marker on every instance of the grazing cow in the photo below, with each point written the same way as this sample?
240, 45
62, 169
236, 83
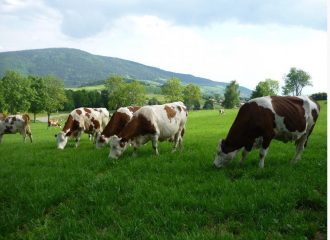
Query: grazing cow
14, 124
155, 123
221, 111
81, 120
117, 122
54, 123
262, 119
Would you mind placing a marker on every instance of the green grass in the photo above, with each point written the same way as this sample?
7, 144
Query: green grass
46, 193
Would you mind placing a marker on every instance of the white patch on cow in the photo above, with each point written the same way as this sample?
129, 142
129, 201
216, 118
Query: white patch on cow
101, 115
9, 125
281, 132
221, 158
166, 127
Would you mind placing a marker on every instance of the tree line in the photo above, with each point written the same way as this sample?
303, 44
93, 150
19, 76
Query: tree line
37, 94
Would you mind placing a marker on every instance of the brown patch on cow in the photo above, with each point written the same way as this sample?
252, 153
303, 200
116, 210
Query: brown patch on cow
13, 119
91, 128
102, 139
7, 120
291, 108
88, 115
139, 125
170, 112
8, 129
68, 124
78, 111
179, 108
26, 118
117, 122
133, 109
315, 115
87, 110
96, 123
251, 122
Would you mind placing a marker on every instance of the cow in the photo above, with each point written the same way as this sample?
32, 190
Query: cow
117, 122
221, 111
81, 120
15, 124
54, 123
155, 123
284, 118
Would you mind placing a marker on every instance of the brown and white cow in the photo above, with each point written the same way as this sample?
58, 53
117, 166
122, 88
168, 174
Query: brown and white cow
15, 124
262, 119
81, 120
155, 123
117, 122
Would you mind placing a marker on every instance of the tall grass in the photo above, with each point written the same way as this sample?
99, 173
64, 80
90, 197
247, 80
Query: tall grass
79, 193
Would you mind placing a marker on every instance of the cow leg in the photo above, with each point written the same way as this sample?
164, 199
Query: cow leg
245, 152
29, 133
24, 134
264, 149
262, 154
155, 144
299, 148
78, 139
134, 154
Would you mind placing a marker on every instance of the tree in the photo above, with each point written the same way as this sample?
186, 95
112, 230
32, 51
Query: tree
268, 87
134, 94
191, 95
124, 94
209, 104
39, 93
15, 93
55, 97
295, 81
153, 101
172, 89
231, 95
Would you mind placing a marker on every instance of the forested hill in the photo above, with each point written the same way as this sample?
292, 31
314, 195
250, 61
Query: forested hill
79, 68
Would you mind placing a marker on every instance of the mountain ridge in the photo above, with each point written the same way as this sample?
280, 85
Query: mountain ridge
77, 67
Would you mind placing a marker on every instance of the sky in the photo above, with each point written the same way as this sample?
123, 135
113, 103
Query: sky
223, 40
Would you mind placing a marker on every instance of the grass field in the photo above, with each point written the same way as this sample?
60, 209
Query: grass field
46, 193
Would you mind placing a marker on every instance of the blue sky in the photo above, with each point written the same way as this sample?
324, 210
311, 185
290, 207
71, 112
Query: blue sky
243, 40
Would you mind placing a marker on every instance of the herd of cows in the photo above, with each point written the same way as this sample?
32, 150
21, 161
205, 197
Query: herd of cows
258, 121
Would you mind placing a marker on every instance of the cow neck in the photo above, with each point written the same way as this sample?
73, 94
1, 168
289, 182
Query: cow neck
116, 124
68, 124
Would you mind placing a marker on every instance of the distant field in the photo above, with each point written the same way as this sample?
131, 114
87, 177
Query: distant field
46, 193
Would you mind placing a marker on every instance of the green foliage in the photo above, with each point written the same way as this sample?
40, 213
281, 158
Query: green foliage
268, 87
319, 96
209, 104
124, 94
153, 101
172, 90
231, 95
39, 95
55, 97
50, 194
192, 95
79, 68
15, 93
295, 81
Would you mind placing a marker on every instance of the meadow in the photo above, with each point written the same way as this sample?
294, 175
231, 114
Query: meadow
47, 193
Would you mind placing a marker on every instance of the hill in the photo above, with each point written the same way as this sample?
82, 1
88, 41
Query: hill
78, 68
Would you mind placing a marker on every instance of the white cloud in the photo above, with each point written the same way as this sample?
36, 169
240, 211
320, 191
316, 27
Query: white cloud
221, 51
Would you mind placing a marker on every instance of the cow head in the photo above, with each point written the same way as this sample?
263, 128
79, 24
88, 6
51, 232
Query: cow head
100, 140
222, 158
117, 147
61, 139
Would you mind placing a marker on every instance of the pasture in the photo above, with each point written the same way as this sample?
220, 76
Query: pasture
47, 193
